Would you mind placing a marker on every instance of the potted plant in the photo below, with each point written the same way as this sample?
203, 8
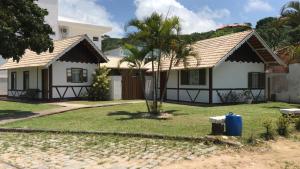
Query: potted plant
248, 97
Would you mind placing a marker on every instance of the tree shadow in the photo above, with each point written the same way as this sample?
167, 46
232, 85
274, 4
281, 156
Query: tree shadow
14, 114
140, 115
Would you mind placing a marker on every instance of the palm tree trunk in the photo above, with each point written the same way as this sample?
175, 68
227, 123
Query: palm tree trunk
156, 83
153, 84
142, 81
166, 81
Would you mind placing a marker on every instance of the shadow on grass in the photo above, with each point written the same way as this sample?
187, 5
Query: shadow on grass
14, 114
140, 115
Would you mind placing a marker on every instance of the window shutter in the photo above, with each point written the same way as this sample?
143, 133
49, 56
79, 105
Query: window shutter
250, 80
262, 80
202, 76
84, 75
184, 75
69, 75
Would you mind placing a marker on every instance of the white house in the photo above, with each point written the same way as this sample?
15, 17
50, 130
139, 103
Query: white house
64, 73
226, 69
64, 28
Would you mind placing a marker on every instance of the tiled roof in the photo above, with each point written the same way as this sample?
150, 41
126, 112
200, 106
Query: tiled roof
114, 63
209, 52
32, 59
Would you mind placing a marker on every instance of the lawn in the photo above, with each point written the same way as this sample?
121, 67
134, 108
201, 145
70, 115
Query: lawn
187, 120
10, 109
86, 102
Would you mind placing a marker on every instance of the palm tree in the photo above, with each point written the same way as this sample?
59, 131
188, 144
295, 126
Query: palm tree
135, 60
291, 12
178, 53
156, 33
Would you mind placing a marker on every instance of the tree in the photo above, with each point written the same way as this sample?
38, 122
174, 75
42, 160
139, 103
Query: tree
100, 85
291, 13
136, 60
155, 33
23, 27
272, 30
178, 53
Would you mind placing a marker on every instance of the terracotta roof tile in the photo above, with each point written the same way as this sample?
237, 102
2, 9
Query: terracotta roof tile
209, 51
32, 59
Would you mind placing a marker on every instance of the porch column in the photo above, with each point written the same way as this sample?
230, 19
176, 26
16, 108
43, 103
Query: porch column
210, 86
50, 82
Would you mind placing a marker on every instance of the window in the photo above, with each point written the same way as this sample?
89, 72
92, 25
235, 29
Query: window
25, 80
256, 80
96, 39
77, 75
13, 81
193, 77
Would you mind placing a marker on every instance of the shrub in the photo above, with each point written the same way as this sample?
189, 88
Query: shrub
283, 126
297, 124
251, 139
100, 85
231, 97
269, 132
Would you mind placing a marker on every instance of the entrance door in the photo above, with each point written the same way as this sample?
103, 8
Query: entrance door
45, 82
131, 85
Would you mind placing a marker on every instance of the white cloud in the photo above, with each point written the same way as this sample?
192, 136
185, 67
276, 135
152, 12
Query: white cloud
200, 21
88, 11
257, 5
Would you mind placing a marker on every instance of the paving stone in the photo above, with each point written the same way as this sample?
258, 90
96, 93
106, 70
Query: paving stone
72, 151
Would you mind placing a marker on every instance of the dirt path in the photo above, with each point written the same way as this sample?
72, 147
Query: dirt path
283, 154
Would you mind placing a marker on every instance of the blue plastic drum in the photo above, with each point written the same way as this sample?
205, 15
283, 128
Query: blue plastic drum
234, 125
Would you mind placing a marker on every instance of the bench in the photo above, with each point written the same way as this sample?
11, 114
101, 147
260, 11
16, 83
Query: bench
217, 125
290, 112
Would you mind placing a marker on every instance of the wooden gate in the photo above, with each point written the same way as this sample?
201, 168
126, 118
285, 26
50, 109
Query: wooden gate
131, 85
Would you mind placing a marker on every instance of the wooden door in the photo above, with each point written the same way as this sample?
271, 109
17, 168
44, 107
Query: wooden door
131, 85
45, 84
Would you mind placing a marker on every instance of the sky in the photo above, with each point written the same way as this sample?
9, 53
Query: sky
195, 15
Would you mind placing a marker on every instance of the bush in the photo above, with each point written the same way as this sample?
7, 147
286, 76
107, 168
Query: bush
100, 86
269, 132
297, 124
283, 126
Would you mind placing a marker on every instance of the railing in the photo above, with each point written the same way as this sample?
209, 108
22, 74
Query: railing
224, 94
30, 93
72, 88
188, 91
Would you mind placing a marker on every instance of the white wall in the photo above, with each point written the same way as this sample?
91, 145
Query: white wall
3, 82
287, 86
52, 18
60, 77
35, 76
234, 75
115, 87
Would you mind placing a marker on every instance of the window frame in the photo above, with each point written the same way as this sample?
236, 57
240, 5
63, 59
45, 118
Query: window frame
26, 86
83, 75
13, 81
185, 77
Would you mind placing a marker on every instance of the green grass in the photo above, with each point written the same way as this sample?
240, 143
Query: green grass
85, 102
187, 120
10, 109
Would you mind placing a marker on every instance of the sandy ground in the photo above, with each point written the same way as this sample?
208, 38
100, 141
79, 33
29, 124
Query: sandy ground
282, 154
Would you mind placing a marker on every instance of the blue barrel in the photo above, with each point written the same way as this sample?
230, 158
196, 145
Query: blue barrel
234, 125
